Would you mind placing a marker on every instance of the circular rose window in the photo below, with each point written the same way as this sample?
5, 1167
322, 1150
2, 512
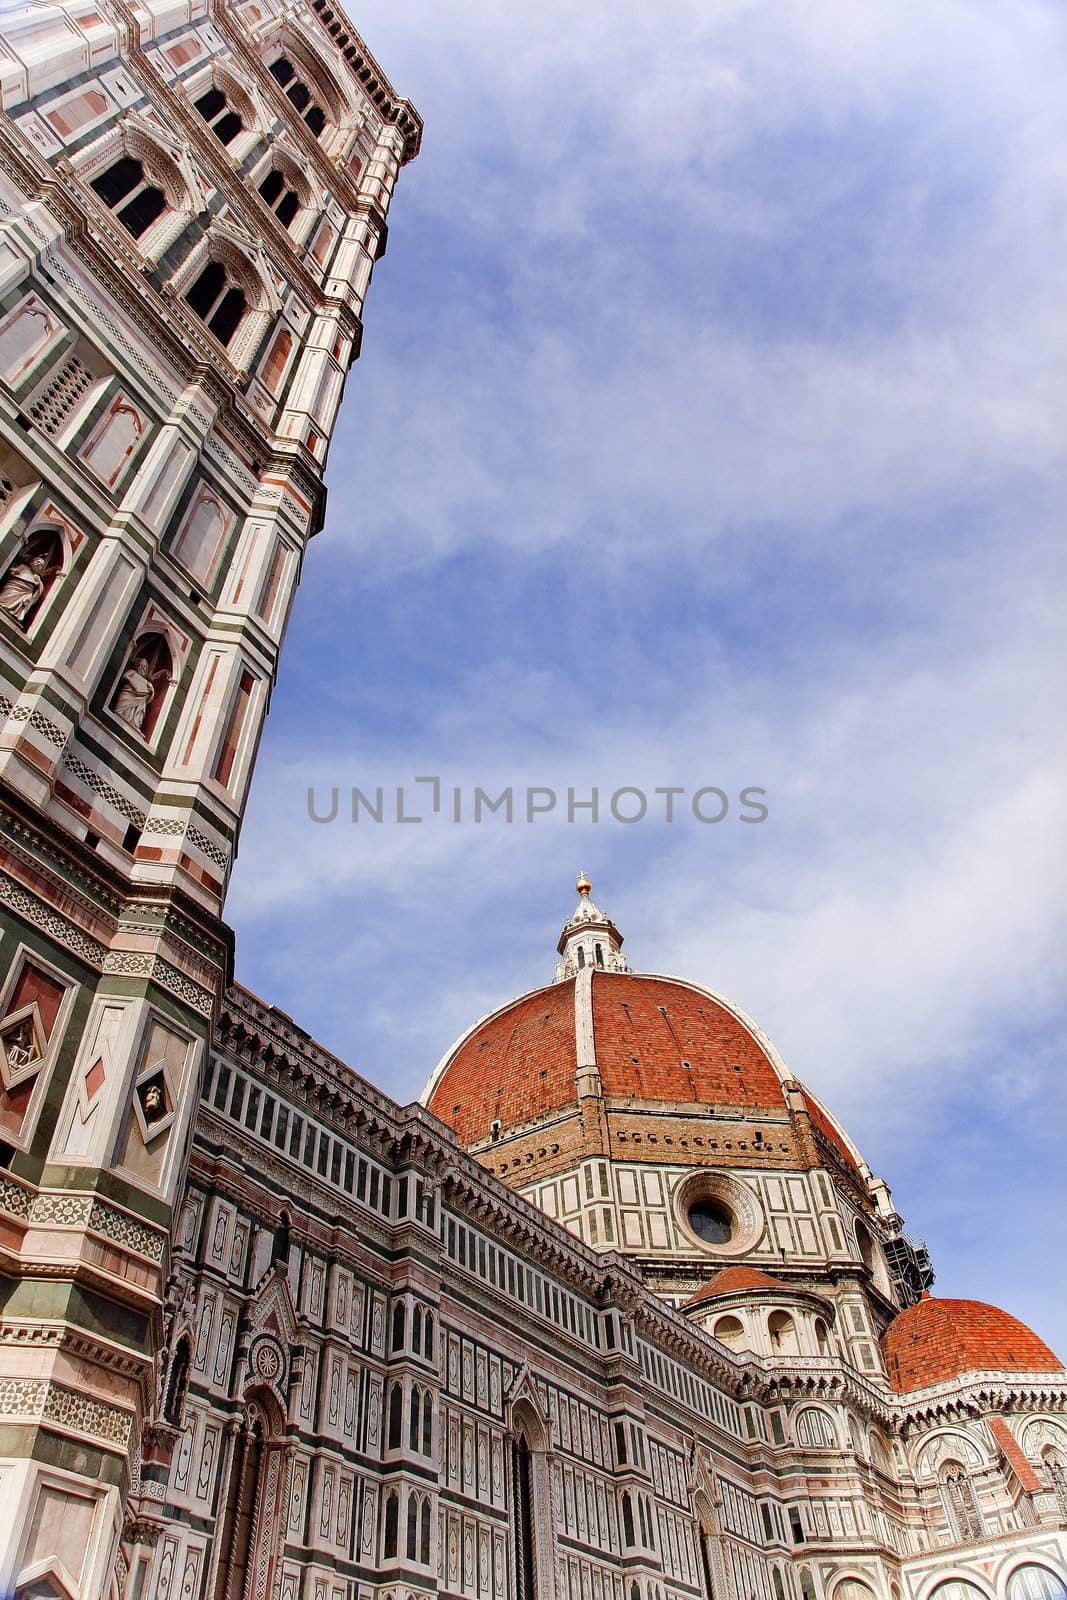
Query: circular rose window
711, 1221
719, 1213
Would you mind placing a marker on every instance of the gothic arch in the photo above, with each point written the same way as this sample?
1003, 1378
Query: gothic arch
320, 77
165, 165
706, 1499
946, 1442
239, 94
854, 1585
249, 1525
149, 670
1032, 1579
959, 1499
177, 1381
1042, 1433
815, 1428
246, 268
956, 1585
534, 1490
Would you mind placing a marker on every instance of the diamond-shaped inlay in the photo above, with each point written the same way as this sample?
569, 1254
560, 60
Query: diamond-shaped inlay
94, 1078
22, 1045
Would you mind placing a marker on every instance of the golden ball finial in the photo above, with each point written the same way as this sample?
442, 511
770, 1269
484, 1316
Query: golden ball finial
583, 885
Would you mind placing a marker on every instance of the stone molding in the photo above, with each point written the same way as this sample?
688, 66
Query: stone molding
40, 1400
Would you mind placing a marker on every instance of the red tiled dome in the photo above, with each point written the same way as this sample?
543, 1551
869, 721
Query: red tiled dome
658, 1039
655, 1039
936, 1340
518, 1064
736, 1280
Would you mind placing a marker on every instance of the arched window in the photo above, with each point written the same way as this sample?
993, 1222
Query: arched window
635, 1591
581, 956
960, 1502
807, 1584
279, 1254
783, 1333
957, 1589
177, 1383
396, 1414
880, 1452
416, 1330
427, 1424
779, 1587
814, 1428
424, 1533
301, 96
198, 544
216, 111
413, 1528
730, 1332
283, 200
277, 360
125, 190
852, 1589
141, 691
217, 301
523, 1520
628, 1537
399, 1325
866, 1246
1031, 1582
599, 952
822, 1337
427, 1336
390, 1525
414, 1419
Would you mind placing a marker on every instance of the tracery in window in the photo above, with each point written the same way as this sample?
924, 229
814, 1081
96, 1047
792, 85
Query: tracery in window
126, 189
960, 1503
814, 1429
217, 300
1032, 1582
224, 122
280, 196
298, 92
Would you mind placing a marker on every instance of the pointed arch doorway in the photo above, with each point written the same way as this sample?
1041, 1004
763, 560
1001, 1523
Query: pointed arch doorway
250, 1514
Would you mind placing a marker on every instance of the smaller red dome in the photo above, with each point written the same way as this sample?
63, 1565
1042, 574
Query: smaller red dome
736, 1280
936, 1340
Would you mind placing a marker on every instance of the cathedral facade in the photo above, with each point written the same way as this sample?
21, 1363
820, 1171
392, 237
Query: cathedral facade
617, 1311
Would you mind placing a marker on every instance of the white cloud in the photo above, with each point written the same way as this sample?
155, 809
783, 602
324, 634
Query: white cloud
672, 293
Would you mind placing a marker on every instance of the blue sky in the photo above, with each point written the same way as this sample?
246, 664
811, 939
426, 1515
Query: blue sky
709, 431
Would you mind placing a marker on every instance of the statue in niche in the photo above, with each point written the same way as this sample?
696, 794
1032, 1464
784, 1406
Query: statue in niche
30, 576
136, 693
137, 699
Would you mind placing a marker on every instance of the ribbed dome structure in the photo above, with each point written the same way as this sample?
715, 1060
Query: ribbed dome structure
655, 1039
937, 1340
651, 1115
649, 1041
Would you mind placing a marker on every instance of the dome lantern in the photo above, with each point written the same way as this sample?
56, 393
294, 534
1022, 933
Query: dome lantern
589, 938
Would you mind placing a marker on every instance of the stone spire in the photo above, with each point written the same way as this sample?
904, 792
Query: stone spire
589, 938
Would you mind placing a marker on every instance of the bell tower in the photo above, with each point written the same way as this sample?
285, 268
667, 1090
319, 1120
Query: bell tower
192, 202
